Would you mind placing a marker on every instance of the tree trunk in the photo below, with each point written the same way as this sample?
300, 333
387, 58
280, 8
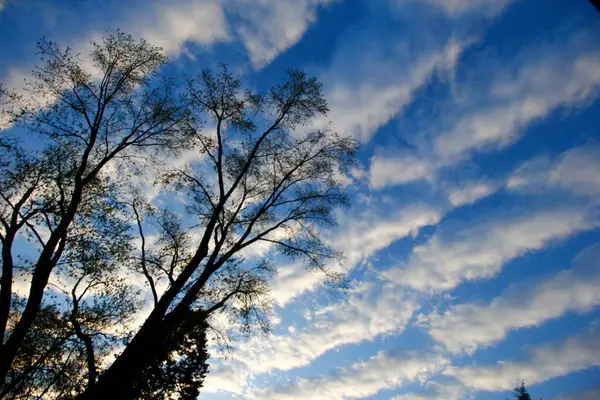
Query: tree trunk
43, 268
118, 381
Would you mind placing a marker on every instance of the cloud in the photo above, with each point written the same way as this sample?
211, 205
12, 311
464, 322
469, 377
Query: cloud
436, 390
361, 237
547, 361
370, 310
470, 192
171, 25
362, 379
369, 82
589, 394
479, 251
456, 8
495, 114
396, 169
549, 77
226, 377
358, 237
577, 171
466, 327
269, 27
293, 280
266, 28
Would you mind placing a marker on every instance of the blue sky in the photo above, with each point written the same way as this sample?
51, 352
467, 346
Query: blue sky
473, 243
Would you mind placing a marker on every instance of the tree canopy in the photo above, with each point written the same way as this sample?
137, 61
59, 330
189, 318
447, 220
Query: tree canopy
129, 201
521, 393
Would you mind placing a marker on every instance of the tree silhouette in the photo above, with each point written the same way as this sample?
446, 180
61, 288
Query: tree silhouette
98, 130
521, 393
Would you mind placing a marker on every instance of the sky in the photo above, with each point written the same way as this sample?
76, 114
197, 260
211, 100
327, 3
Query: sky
473, 242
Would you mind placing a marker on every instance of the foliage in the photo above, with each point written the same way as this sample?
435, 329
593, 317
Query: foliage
521, 392
106, 287
182, 368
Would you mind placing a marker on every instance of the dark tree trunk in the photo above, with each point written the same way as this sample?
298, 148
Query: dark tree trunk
118, 381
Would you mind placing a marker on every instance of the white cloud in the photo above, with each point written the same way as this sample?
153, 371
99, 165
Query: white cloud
495, 114
370, 310
577, 171
548, 78
361, 237
265, 27
479, 251
225, 377
455, 8
292, 280
437, 390
545, 362
171, 25
358, 238
590, 394
386, 170
268, 27
470, 192
376, 89
362, 379
466, 327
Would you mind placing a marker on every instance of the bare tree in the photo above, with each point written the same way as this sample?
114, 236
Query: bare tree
263, 176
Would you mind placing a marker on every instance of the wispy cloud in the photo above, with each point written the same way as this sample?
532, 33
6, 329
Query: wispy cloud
479, 251
172, 25
576, 171
269, 27
266, 28
550, 77
589, 394
469, 326
545, 362
456, 8
470, 192
388, 169
358, 237
368, 85
363, 379
437, 389
370, 310
496, 113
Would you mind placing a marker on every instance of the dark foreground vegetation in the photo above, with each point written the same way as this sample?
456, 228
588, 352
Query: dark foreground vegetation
105, 294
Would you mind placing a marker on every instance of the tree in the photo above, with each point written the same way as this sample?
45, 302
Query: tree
262, 175
56, 192
521, 392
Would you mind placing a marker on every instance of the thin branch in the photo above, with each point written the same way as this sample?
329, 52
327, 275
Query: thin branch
84, 337
143, 263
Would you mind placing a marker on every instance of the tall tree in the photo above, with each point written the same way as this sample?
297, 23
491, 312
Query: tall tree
71, 128
261, 176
